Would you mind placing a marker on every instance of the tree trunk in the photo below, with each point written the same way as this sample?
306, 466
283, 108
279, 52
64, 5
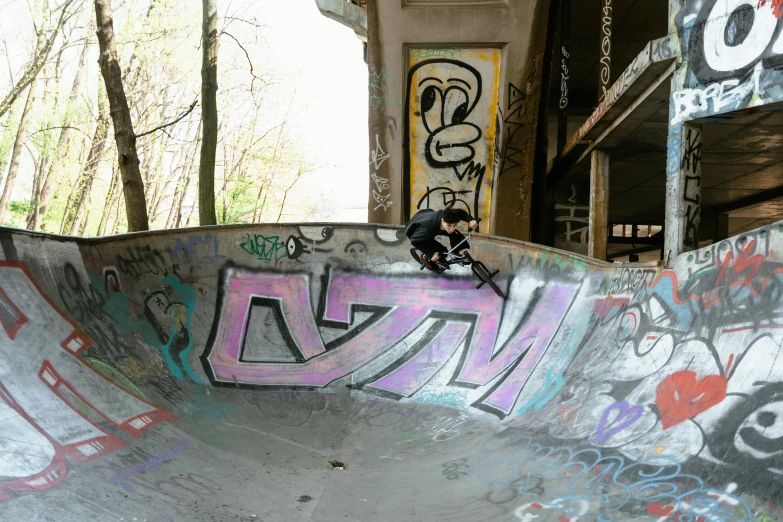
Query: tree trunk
97, 148
62, 144
16, 153
110, 198
132, 185
83, 228
66, 215
173, 207
6, 143
182, 201
186, 175
209, 115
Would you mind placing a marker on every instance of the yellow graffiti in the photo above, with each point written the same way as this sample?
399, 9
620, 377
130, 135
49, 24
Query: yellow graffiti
452, 126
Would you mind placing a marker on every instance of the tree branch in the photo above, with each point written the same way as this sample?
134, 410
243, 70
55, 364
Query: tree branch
249, 61
37, 61
62, 127
161, 127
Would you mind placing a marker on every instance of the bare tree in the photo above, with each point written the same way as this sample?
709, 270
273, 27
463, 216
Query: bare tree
6, 142
46, 39
16, 153
209, 115
303, 169
132, 184
66, 132
97, 147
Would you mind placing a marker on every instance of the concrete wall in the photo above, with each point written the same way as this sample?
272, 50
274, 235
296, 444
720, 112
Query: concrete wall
731, 52
160, 374
469, 141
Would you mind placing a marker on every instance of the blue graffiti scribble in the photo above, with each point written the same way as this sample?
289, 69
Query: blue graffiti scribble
549, 391
454, 399
585, 477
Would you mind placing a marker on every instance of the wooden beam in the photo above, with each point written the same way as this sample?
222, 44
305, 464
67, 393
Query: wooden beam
599, 204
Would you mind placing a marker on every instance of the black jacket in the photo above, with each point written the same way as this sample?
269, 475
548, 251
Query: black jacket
425, 225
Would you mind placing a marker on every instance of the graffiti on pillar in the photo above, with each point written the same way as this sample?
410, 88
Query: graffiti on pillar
266, 334
563, 77
514, 123
51, 401
383, 93
451, 129
690, 164
605, 63
572, 218
733, 50
380, 186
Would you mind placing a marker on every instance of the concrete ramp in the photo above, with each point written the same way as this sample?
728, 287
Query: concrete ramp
314, 373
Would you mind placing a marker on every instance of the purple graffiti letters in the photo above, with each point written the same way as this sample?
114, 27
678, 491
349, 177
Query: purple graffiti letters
403, 306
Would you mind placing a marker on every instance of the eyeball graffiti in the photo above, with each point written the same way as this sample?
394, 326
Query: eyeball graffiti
732, 48
445, 105
754, 429
730, 37
451, 130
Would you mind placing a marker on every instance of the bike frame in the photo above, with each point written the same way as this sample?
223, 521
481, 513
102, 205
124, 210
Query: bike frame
450, 254
451, 258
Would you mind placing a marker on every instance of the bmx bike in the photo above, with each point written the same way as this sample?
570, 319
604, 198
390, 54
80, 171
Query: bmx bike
452, 257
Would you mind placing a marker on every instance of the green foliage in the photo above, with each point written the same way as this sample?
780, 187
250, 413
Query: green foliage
17, 215
20, 207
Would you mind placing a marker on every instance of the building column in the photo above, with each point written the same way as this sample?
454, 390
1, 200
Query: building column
683, 190
599, 204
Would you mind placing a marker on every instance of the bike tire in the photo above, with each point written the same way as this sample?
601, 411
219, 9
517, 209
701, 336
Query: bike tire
415, 255
482, 273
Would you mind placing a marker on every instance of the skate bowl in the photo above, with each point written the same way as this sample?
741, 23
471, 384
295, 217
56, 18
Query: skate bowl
314, 373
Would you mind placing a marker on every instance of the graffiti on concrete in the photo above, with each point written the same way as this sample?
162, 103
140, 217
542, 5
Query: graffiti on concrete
587, 484
266, 333
685, 367
169, 310
640, 392
451, 129
733, 50
51, 401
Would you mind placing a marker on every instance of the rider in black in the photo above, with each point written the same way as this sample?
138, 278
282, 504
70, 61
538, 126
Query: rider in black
426, 224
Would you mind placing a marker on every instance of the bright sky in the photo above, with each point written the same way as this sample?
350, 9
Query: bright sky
323, 61
320, 62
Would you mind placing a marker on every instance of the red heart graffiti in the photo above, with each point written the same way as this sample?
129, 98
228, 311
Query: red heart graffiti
682, 396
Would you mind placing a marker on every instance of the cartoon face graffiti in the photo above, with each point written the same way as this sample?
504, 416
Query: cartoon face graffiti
451, 125
447, 92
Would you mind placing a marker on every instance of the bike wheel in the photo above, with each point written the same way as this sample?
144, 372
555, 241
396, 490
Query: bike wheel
415, 254
482, 273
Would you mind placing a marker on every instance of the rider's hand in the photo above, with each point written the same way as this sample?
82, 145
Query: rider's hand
435, 256
473, 225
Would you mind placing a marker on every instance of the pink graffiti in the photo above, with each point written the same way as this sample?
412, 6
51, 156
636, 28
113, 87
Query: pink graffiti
46, 389
405, 304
